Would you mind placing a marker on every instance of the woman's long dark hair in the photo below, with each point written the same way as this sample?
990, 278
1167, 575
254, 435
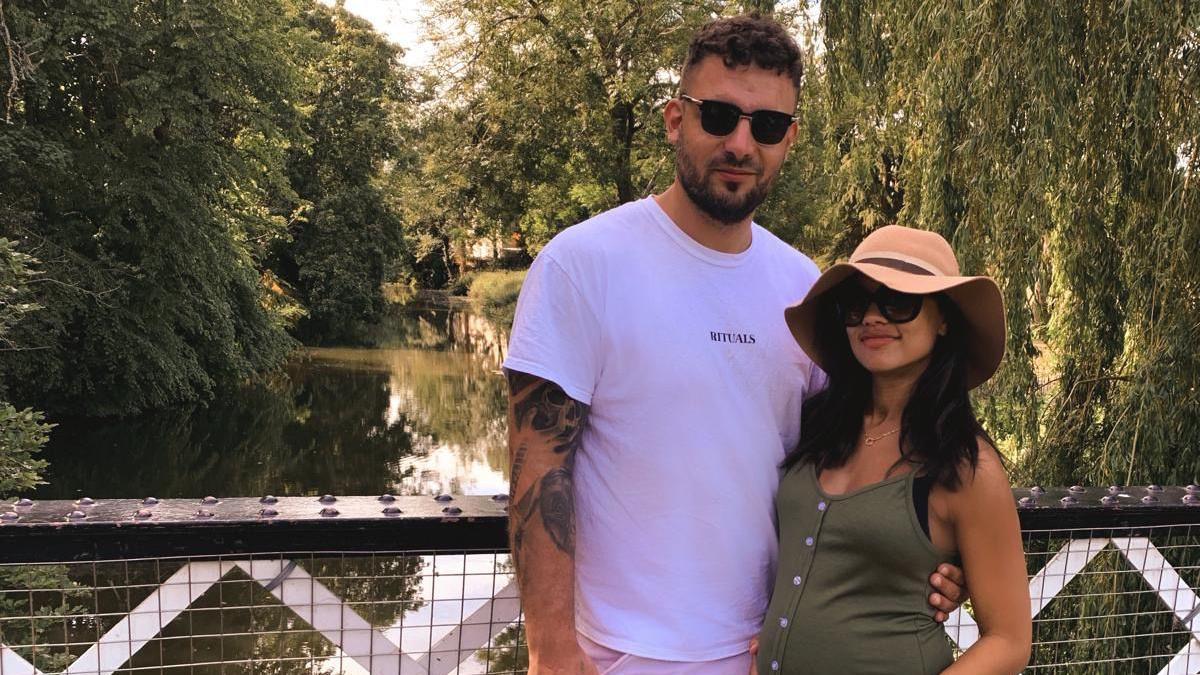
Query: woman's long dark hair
938, 427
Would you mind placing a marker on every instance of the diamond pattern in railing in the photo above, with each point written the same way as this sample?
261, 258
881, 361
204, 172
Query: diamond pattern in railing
375, 652
370, 648
1074, 556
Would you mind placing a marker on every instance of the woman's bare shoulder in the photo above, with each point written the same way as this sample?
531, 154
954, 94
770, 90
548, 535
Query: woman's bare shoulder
987, 482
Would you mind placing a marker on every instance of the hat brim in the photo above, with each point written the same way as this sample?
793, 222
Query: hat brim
978, 298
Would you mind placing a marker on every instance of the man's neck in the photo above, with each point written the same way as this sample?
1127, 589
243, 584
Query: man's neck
718, 236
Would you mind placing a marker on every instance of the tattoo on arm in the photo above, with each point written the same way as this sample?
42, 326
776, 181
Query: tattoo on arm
543, 408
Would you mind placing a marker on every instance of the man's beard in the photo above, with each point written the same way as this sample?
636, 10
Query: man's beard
723, 208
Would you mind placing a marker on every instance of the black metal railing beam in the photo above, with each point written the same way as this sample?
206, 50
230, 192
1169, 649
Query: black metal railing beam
107, 529
1090, 511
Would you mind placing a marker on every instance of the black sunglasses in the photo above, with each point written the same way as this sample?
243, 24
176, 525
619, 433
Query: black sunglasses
851, 304
720, 119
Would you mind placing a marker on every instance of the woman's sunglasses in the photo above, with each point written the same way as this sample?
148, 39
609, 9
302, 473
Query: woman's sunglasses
851, 304
720, 119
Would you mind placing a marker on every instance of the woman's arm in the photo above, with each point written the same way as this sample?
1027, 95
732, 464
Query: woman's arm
988, 534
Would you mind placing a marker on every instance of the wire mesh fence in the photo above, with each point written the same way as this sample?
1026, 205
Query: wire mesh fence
1109, 595
268, 613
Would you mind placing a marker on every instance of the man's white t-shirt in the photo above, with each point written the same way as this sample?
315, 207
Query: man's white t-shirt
695, 385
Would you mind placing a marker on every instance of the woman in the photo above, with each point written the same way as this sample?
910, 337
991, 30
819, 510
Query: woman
894, 475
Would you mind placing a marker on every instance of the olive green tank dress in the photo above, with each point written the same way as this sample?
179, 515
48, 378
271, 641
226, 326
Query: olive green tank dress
851, 592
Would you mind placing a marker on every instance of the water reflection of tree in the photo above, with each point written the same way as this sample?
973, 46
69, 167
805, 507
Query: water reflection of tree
304, 432
237, 626
32, 607
508, 653
325, 424
444, 379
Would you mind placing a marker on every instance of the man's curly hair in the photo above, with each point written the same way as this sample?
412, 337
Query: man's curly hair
747, 39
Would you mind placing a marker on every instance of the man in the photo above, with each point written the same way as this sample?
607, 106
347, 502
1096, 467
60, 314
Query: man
655, 388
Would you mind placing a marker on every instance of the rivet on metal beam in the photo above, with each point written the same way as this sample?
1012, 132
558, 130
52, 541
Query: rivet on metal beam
387, 498
327, 499
1026, 502
1192, 488
391, 511
1154, 488
1191, 500
203, 513
142, 514
1114, 489
9, 517
76, 515
452, 510
329, 512
24, 501
1109, 500
444, 498
1037, 490
500, 498
150, 501
1068, 501
86, 501
268, 499
268, 512
1149, 499
1077, 489
210, 500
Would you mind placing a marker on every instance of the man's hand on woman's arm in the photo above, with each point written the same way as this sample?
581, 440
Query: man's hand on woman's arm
544, 426
950, 591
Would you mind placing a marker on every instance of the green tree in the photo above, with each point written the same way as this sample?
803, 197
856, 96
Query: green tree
557, 107
141, 151
347, 239
22, 432
1055, 145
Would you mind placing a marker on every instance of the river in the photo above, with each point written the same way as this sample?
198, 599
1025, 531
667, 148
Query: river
419, 411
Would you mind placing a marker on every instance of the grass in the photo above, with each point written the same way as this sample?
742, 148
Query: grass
495, 294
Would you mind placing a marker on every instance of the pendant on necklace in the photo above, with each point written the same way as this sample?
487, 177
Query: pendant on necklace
871, 440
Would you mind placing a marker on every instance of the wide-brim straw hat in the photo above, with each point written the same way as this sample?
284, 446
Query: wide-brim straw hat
913, 261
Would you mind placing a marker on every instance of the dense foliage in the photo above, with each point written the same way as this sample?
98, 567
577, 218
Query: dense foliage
346, 241
1056, 146
22, 432
193, 177
134, 166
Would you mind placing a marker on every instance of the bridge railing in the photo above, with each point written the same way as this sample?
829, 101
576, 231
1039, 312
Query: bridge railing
420, 585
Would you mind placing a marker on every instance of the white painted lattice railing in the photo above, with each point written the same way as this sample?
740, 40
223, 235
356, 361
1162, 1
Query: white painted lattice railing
1071, 560
370, 649
466, 598
374, 650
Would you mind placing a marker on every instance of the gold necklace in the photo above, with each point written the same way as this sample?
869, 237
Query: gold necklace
872, 440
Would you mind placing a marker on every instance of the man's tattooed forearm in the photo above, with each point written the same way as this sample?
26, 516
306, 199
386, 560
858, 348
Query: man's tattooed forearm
542, 413
554, 498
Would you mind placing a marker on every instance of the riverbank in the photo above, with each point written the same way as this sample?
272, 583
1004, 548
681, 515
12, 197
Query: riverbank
433, 298
491, 293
